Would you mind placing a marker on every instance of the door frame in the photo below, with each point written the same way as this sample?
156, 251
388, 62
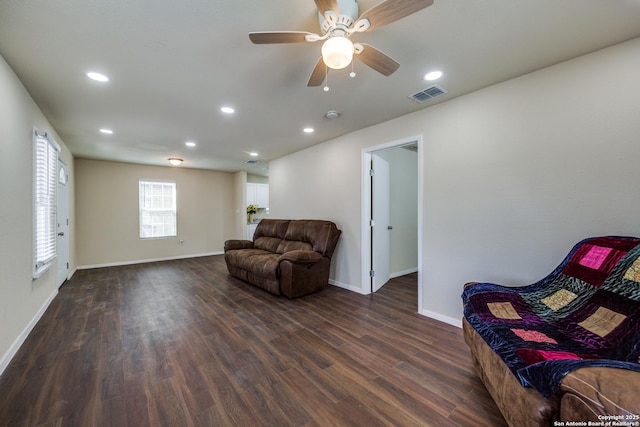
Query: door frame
365, 205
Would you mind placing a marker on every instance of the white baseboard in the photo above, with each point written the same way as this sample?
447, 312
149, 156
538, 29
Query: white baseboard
347, 287
433, 315
142, 261
442, 318
6, 358
403, 273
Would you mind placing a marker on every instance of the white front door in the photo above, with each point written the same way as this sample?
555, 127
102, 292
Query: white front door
62, 215
380, 194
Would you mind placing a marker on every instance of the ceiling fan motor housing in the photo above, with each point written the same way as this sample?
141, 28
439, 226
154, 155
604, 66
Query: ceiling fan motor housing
349, 12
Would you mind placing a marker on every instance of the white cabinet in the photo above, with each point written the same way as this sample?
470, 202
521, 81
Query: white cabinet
251, 228
262, 195
258, 194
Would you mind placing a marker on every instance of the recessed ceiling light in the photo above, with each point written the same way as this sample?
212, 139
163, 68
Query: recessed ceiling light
253, 154
433, 75
190, 144
307, 130
106, 131
97, 77
227, 110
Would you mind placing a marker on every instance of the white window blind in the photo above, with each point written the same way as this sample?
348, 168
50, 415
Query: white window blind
45, 154
157, 209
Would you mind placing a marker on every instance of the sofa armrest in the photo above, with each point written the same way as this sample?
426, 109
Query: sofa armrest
307, 257
469, 284
592, 392
231, 245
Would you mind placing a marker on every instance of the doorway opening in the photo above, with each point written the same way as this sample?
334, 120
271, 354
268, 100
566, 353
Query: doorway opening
391, 213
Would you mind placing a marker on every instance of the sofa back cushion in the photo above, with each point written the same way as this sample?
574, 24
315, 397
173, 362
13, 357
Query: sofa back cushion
269, 233
283, 235
293, 245
310, 235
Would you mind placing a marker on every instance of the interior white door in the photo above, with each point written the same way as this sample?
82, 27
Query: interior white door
62, 215
380, 241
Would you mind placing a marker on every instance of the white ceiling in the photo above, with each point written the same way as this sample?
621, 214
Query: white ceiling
173, 64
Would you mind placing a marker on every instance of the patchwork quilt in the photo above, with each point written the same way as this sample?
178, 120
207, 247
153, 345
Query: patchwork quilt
585, 313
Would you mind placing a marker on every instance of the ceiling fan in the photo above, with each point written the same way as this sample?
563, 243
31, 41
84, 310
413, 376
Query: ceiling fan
338, 21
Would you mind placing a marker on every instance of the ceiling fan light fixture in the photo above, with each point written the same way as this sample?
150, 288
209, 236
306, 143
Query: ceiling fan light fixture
337, 52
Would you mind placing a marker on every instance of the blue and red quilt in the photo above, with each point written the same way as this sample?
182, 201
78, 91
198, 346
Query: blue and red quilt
585, 313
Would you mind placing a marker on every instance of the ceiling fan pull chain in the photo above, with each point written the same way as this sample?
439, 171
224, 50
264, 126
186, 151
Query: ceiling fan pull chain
326, 79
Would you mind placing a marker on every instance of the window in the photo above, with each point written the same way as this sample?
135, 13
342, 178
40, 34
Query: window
45, 178
157, 209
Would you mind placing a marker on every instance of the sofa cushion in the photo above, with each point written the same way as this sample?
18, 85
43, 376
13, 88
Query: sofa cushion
293, 245
269, 234
259, 262
266, 243
309, 235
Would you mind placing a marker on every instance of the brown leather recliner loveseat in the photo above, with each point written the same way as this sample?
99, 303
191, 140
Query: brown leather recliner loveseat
286, 257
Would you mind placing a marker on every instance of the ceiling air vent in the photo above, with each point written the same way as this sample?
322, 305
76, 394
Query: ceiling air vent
427, 94
252, 162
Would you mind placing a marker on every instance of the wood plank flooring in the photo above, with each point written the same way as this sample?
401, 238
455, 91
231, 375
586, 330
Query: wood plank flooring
182, 343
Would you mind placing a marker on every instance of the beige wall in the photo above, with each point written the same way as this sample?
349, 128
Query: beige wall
107, 212
21, 299
323, 182
514, 175
240, 190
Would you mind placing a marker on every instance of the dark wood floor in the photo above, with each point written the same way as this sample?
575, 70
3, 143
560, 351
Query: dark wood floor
182, 343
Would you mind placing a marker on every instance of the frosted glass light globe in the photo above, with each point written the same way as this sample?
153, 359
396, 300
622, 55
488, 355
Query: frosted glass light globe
337, 52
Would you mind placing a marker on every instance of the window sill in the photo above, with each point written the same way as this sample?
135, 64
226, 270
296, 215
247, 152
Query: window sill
41, 270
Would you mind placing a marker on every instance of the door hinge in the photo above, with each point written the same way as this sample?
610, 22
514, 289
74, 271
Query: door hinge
372, 273
67, 266
372, 172
371, 223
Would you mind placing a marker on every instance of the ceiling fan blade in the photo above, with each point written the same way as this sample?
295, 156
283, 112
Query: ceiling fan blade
318, 74
268, 37
377, 60
324, 5
391, 10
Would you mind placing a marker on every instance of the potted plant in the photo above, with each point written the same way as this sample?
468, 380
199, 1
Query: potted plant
251, 209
